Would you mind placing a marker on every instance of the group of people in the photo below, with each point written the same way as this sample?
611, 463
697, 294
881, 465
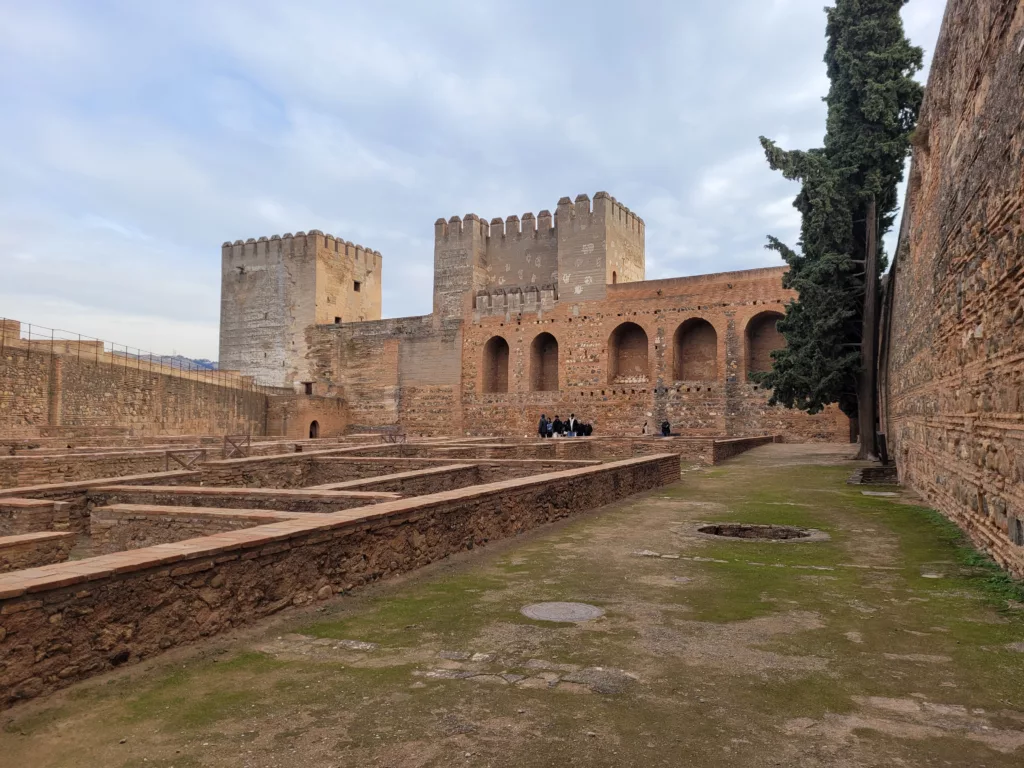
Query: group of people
571, 427
666, 429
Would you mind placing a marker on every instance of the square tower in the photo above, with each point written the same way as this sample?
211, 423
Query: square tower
273, 289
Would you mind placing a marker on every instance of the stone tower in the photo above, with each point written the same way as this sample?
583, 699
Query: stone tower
273, 289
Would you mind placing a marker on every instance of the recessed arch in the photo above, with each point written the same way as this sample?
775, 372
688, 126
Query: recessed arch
314, 429
495, 365
762, 337
627, 354
615, 277
544, 363
695, 351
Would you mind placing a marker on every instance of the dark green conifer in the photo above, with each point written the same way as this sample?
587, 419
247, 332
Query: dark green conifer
873, 102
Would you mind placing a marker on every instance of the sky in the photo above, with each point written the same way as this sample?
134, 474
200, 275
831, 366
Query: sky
135, 138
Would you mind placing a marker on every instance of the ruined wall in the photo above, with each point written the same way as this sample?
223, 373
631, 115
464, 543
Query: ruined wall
77, 620
79, 394
952, 375
30, 550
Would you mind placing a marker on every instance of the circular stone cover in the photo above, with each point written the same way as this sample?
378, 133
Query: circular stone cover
562, 612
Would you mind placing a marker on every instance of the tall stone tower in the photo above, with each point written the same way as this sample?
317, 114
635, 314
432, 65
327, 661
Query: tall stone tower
571, 256
273, 289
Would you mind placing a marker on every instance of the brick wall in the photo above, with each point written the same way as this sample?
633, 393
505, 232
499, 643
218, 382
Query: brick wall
122, 527
30, 550
128, 606
282, 500
31, 516
952, 375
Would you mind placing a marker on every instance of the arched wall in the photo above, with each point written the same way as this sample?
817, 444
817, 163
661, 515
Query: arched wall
762, 338
695, 351
544, 363
495, 365
627, 354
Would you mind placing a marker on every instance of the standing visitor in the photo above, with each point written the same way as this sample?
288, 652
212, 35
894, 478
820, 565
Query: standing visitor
542, 428
558, 427
572, 425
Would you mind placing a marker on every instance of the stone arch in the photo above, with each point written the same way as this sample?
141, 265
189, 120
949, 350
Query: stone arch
695, 351
762, 338
627, 354
314, 429
495, 367
544, 363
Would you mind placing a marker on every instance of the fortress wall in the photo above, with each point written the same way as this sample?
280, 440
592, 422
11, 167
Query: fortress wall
727, 405
268, 291
522, 252
81, 395
341, 264
952, 366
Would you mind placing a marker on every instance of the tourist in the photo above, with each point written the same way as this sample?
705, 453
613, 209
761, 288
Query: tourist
666, 429
571, 426
542, 428
558, 427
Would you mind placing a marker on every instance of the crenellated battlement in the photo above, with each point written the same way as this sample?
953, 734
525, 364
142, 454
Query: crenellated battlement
457, 228
515, 299
288, 243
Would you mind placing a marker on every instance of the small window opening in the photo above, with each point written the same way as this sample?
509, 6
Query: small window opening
309, 387
356, 285
337, 321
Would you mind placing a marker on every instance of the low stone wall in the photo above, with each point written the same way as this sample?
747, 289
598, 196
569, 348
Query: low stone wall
417, 482
279, 499
132, 526
290, 470
726, 449
30, 550
74, 620
32, 515
59, 468
336, 469
74, 494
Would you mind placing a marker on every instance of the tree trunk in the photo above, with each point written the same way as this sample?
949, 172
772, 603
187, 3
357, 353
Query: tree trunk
867, 384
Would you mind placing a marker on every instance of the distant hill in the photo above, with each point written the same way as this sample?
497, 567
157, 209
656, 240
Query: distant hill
180, 361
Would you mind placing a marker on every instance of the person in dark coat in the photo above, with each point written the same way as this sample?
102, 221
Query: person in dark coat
557, 426
572, 426
666, 429
542, 428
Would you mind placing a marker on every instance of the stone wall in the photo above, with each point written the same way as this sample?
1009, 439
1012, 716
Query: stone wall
417, 482
25, 470
32, 515
952, 375
295, 416
30, 550
73, 392
122, 527
283, 500
79, 619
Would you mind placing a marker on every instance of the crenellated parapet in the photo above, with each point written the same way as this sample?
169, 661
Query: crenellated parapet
299, 242
515, 299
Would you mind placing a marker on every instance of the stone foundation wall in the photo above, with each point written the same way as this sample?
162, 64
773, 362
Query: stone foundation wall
282, 500
726, 449
418, 482
952, 364
77, 620
132, 526
32, 515
29, 550
18, 471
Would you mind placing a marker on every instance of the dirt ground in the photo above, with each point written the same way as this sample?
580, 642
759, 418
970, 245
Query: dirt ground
882, 642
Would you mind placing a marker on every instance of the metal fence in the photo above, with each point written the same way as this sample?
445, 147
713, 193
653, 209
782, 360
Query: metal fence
34, 339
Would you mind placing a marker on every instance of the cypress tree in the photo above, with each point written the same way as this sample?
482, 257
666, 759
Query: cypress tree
873, 102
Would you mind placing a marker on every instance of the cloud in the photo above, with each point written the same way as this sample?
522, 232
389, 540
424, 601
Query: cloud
139, 136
